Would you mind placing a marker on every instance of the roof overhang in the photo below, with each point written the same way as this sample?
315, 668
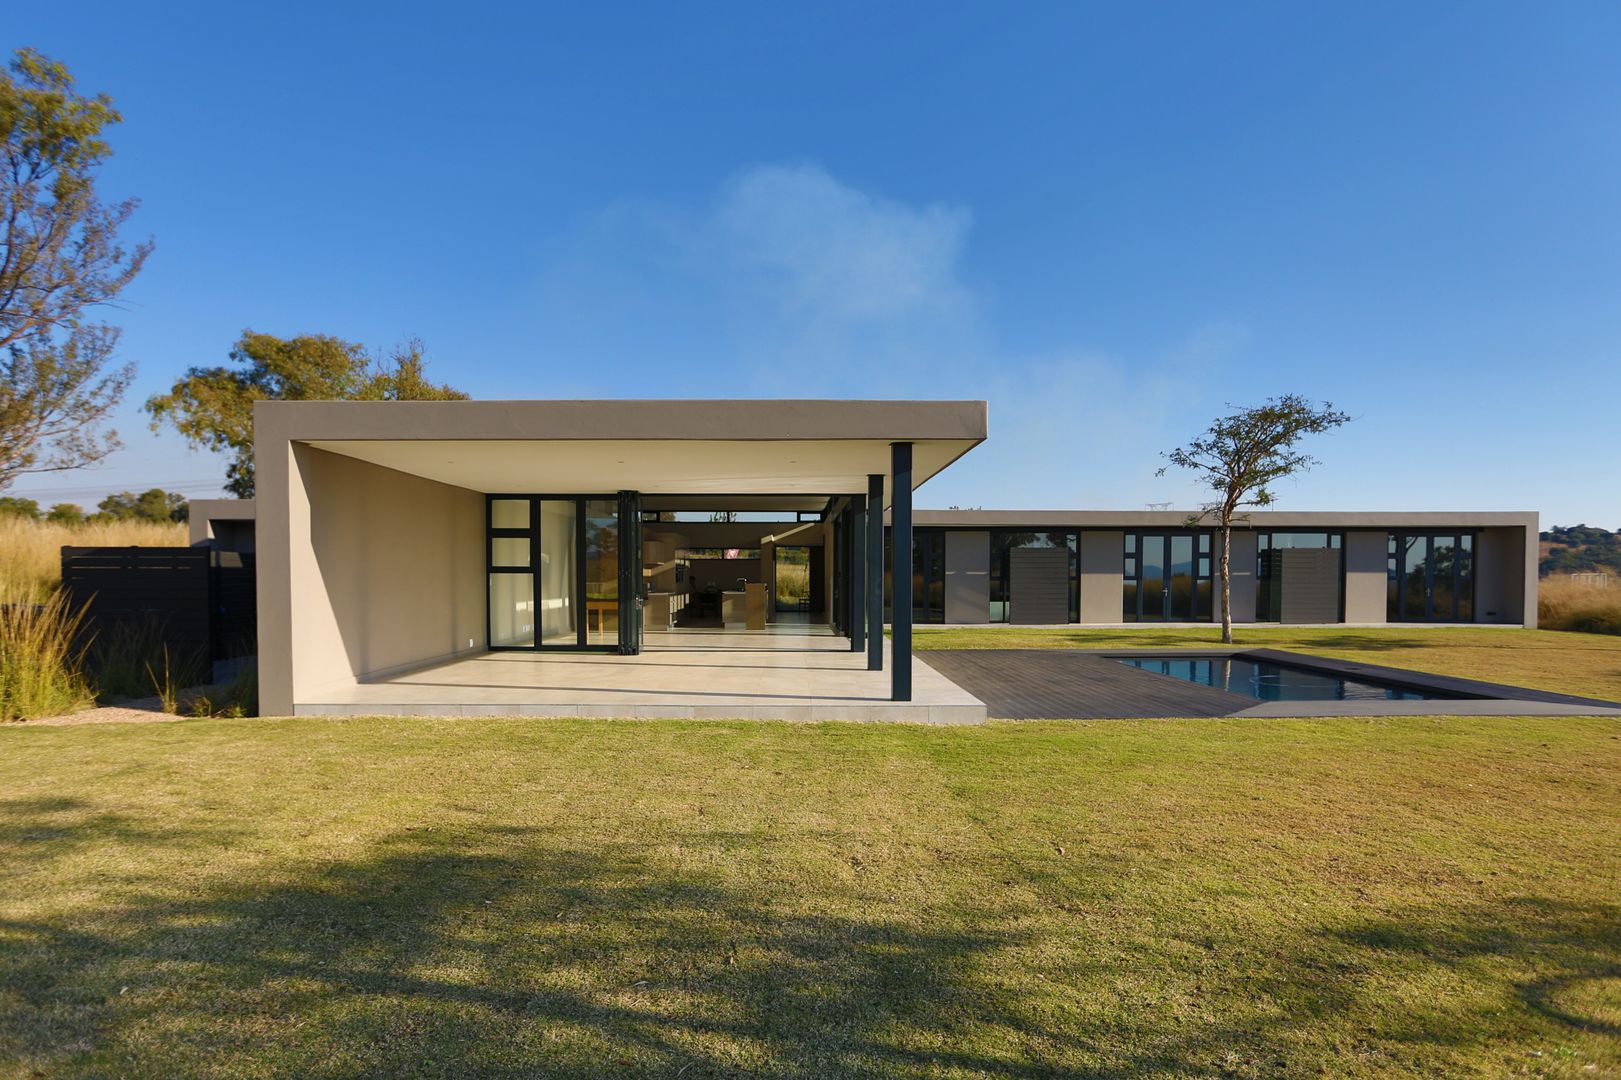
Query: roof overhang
716, 448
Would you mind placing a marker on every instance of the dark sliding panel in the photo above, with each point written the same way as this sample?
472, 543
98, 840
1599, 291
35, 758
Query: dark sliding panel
1268, 581
1001, 584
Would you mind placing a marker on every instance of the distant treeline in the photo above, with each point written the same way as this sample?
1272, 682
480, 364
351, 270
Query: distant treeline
1581, 549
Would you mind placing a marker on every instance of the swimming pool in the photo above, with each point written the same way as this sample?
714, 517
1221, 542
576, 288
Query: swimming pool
1267, 680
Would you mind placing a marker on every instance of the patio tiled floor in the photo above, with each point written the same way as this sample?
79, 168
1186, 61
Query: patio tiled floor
782, 675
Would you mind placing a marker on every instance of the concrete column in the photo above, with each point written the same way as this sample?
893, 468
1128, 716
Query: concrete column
858, 573
875, 572
900, 568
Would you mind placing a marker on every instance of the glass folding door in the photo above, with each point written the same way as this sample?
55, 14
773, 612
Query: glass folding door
1167, 577
556, 573
1431, 577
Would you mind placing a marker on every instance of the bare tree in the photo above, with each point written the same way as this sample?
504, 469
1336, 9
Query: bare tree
1240, 457
59, 257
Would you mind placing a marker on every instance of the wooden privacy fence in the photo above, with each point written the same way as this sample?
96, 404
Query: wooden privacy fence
203, 600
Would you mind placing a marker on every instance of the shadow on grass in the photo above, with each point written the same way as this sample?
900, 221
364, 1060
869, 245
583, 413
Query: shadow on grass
503, 952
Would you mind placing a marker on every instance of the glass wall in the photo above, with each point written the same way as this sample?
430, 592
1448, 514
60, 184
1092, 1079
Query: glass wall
558, 573
1003, 541
1430, 577
553, 570
928, 576
601, 571
1266, 604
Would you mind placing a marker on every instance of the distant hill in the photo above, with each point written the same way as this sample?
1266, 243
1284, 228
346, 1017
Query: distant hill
1576, 549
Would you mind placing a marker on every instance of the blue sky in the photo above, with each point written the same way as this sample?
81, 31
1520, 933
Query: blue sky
1109, 221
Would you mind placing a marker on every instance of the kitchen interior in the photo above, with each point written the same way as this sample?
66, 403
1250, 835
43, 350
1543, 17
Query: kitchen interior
738, 568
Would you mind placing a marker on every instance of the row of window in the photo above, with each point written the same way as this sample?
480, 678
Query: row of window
1168, 576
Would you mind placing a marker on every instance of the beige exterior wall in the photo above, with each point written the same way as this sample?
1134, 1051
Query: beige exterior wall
1501, 573
1365, 575
1101, 566
385, 570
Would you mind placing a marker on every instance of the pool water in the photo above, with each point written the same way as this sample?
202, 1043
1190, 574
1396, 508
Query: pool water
1265, 680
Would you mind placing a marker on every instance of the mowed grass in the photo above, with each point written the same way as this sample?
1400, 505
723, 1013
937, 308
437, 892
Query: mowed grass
1587, 665
1349, 897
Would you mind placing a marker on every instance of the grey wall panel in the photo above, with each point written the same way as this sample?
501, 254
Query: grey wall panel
1242, 564
1311, 585
1038, 586
968, 577
1102, 563
1365, 575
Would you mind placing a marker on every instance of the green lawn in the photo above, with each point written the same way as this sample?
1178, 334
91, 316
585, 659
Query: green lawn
1588, 665
321, 898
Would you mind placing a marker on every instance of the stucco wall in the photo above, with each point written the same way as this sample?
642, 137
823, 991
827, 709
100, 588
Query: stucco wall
1101, 565
1500, 593
387, 570
1365, 575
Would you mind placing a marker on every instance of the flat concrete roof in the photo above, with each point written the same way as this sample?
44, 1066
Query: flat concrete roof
719, 447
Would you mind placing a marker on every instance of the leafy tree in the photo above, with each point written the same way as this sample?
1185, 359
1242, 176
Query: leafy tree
1240, 457
151, 505
1576, 549
59, 258
213, 407
11, 506
66, 514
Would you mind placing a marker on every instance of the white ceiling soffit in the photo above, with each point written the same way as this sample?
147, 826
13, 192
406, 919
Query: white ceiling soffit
687, 467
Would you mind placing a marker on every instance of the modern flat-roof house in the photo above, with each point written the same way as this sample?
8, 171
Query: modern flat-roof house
735, 558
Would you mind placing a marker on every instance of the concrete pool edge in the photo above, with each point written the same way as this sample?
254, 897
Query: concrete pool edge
1088, 684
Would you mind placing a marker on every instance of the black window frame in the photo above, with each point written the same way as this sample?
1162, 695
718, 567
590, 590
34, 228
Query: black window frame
1461, 571
533, 534
1204, 557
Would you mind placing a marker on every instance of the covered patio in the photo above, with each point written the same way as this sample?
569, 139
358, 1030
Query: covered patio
524, 557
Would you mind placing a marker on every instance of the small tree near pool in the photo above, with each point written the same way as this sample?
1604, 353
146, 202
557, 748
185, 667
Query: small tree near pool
1240, 457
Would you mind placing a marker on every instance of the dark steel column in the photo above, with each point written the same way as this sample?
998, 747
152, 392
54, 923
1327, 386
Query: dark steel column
858, 569
900, 570
875, 572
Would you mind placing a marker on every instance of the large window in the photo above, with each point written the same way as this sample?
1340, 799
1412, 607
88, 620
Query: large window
1003, 541
1267, 587
928, 576
553, 570
1167, 578
601, 571
1430, 577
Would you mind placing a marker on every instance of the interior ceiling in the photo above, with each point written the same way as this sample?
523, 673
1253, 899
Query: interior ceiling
680, 467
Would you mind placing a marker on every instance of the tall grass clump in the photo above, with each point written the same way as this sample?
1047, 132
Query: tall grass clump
31, 551
134, 660
1564, 604
41, 656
